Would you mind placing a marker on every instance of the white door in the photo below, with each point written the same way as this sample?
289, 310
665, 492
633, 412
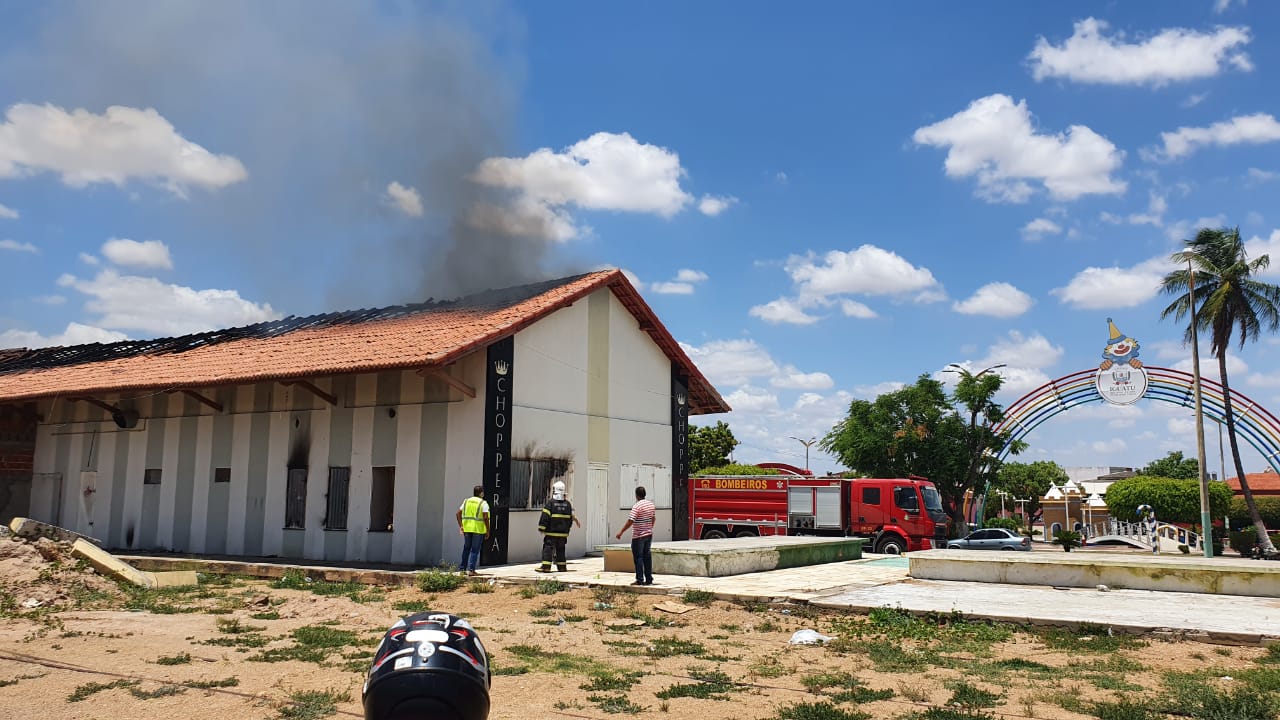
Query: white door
597, 514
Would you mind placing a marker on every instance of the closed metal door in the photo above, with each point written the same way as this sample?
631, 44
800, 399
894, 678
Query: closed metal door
596, 520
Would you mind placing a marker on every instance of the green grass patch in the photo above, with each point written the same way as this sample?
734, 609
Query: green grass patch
268, 615
411, 607
179, 659
556, 662
1272, 655
672, 646
233, 626
479, 587
252, 640
162, 691
615, 704
84, 692
698, 597
211, 684
819, 711
968, 696
1242, 703
549, 586
614, 680
1125, 710
889, 656
1089, 639
950, 713
312, 704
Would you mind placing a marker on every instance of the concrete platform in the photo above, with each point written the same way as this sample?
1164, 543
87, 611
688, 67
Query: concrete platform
1165, 573
736, 556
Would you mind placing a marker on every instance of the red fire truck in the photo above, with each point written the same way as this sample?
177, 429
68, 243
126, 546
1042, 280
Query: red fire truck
896, 514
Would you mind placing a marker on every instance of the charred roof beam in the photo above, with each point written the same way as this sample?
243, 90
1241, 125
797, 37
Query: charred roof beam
194, 395
443, 376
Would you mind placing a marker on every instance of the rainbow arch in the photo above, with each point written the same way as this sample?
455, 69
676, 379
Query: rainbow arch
1254, 423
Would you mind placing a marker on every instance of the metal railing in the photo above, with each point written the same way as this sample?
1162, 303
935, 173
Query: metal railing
1167, 536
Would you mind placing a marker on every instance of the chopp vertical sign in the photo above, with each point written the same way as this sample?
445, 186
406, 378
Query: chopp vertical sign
679, 455
499, 375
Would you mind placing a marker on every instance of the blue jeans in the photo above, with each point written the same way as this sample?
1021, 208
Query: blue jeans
642, 558
471, 544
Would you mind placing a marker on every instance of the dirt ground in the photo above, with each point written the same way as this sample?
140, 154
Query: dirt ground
76, 645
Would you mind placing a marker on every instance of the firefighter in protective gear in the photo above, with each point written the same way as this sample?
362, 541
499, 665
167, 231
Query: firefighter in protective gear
557, 514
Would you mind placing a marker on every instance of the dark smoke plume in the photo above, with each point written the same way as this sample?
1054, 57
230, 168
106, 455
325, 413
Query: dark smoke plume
325, 102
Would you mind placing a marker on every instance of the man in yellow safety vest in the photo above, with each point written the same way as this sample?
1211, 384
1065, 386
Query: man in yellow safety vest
473, 524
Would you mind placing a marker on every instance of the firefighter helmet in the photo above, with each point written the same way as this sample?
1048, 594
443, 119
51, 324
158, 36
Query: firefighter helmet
429, 665
557, 490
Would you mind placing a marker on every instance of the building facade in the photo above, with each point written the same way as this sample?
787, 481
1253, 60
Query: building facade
257, 446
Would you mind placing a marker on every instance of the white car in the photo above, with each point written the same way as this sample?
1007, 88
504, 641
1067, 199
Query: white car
991, 539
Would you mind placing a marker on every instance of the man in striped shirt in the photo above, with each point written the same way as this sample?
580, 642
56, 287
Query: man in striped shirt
641, 523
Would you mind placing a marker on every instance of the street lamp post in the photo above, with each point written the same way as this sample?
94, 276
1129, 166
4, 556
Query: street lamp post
807, 444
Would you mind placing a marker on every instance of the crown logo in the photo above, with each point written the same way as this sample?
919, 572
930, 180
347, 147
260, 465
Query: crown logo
501, 367
680, 398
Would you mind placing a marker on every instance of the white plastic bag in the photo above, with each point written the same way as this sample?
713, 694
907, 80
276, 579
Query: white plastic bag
809, 637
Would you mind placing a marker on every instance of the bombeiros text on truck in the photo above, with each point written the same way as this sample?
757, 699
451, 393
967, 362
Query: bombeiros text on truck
896, 514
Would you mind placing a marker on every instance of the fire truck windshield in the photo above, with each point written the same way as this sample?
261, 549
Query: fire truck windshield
932, 500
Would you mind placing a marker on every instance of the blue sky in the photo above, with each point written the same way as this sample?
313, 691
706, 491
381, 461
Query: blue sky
821, 200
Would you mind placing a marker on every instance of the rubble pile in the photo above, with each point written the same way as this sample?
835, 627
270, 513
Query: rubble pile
41, 572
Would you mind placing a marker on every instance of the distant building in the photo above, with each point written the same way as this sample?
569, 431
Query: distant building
1070, 507
1096, 479
1263, 484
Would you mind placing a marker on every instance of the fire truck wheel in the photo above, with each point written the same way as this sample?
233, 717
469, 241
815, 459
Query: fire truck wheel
891, 545
746, 533
714, 534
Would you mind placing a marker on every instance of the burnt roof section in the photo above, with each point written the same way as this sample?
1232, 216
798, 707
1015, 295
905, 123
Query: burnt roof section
433, 334
20, 359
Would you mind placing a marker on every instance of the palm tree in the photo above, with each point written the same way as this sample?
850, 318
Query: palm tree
1229, 299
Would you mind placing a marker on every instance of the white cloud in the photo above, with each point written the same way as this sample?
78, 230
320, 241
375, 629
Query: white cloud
1220, 6
870, 392
606, 171
1113, 445
683, 284
1172, 55
713, 206
792, 379
748, 399
1244, 129
1209, 364
1096, 288
1258, 175
405, 199
1194, 100
995, 140
88, 259
855, 309
1154, 215
732, 362
781, 178
1266, 380
131, 253
869, 270
1018, 350
119, 145
1185, 229
996, 299
1038, 228
147, 305
14, 245
783, 310
8, 213
74, 334
634, 278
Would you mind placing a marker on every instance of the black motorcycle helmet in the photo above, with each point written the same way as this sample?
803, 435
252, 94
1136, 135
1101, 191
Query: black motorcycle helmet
429, 666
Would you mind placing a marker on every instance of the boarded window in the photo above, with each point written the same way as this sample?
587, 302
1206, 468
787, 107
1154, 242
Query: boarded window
222, 475
870, 496
295, 498
151, 476
531, 479
382, 499
339, 486
656, 480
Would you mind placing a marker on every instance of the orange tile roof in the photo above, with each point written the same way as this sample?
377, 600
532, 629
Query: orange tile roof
426, 335
1263, 483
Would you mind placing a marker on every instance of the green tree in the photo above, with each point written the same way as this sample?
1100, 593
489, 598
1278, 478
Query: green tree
918, 430
1026, 481
1173, 500
1231, 304
710, 445
1174, 465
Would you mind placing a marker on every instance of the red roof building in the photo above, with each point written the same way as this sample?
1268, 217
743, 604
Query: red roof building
1262, 484
354, 436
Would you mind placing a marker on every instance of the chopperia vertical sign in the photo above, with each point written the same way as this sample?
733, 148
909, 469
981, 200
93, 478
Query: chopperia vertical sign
499, 376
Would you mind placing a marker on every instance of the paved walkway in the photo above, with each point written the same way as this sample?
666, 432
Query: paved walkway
882, 581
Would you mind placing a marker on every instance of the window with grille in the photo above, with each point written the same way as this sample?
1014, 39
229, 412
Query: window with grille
531, 479
151, 476
339, 487
382, 499
295, 497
